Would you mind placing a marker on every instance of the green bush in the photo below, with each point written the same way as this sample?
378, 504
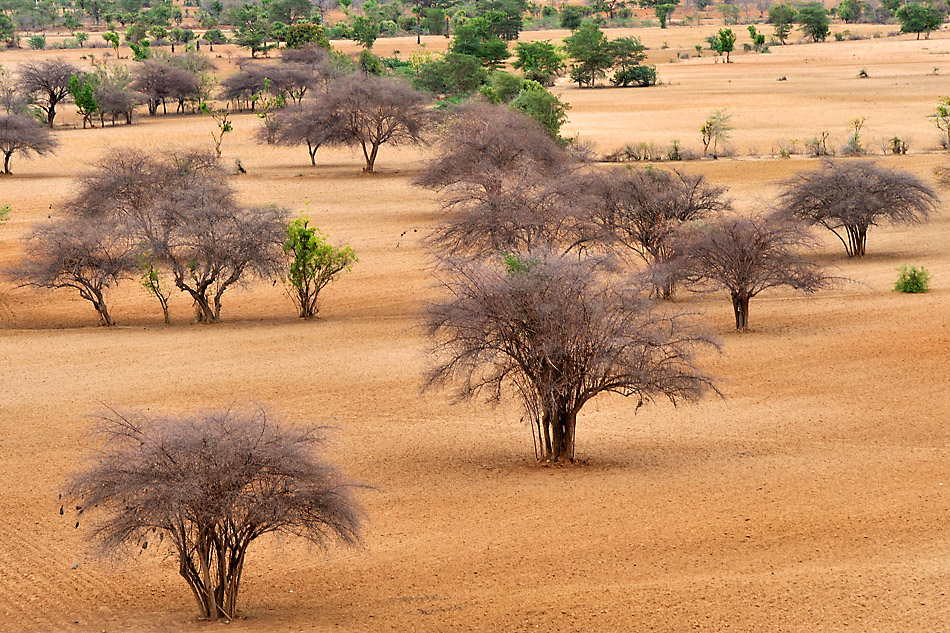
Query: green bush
912, 279
37, 42
635, 76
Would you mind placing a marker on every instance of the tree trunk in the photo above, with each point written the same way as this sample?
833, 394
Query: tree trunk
370, 157
558, 424
740, 305
6, 162
313, 153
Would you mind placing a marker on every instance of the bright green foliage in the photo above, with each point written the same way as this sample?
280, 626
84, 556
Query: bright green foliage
503, 87
83, 91
140, 50
627, 52
539, 61
758, 39
216, 36
250, 29
912, 279
7, 30
661, 9
542, 106
312, 263
782, 16
222, 120
591, 52
942, 119
365, 31
151, 281
814, 20
450, 75
850, 10
571, 16
113, 38
919, 18
37, 42
639, 76
303, 33
479, 38
370, 64
723, 42
716, 130
516, 264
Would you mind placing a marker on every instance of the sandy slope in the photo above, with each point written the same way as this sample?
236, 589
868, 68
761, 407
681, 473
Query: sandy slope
813, 497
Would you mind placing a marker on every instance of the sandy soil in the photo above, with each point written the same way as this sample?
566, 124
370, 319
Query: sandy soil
814, 496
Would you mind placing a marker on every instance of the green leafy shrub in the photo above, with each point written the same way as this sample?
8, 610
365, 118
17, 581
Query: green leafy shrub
912, 279
635, 76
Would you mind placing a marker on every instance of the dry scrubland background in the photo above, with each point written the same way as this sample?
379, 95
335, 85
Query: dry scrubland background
813, 497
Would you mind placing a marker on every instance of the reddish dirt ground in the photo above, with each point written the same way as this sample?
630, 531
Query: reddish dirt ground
813, 496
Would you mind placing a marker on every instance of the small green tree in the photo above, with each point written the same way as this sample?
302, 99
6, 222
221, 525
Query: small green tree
539, 61
221, 119
850, 10
919, 18
303, 33
542, 106
716, 130
83, 91
758, 39
814, 20
214, 36
479, 37
912, 279
151, 280
571, 16
365, 31
312, 263
661, 9
781, 16
724, 42
591, 52
113, 38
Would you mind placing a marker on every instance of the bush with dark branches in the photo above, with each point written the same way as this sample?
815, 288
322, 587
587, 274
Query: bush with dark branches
746, 255
24, 135
47, 82
182, 211
505, 186
557, 331
210, 484
644, 210
378, 110
849, 197
77, 253
314, 124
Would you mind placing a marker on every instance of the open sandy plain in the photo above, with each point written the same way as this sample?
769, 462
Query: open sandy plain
814, 496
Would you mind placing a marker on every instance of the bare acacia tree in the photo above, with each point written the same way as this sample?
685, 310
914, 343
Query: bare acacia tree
849, 197
47, 82
557, 331
505, 186
80, 254
23, 134
746, 255
158, 81
182, 210
211, 483
313, 124
645, 210
376, 111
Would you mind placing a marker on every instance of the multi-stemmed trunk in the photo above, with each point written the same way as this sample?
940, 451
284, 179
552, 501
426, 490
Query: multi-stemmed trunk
740, 305
555, 432
369, 155
856, 243
213, 570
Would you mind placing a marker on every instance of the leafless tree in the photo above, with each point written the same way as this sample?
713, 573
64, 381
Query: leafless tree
505, 186
849, 197
77, 253
244, 87
746, 255
183, 212
645, 209
211, 483
47, 83
25, 135
378, 110
159, 81
558, 331
313, 124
